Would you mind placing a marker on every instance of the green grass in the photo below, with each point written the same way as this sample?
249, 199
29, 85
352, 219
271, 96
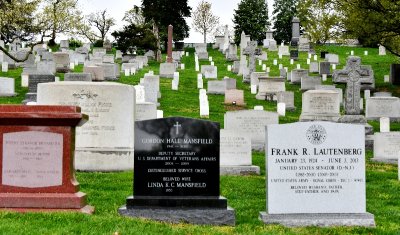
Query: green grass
246, 194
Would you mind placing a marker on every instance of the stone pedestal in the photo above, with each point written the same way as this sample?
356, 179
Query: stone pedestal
37, 159
319, 220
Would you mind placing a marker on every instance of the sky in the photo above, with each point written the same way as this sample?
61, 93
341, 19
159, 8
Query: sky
224, 9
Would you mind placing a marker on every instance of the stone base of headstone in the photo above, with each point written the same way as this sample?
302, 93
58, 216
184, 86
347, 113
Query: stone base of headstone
45, 202
8, 94
63, 70
319, 220
231, 58
309, 118
110, 78
103, 159
195, 210
239, 170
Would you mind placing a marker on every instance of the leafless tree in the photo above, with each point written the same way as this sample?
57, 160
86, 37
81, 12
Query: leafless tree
204, 21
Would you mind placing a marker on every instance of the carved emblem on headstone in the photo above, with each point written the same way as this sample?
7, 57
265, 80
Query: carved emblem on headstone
316, 134
85, 94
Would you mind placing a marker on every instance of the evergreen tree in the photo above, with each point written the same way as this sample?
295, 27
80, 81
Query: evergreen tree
252, 18
162, 13
284, 11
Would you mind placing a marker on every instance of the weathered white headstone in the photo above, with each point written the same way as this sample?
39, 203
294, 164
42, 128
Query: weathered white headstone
167, 70
309, 83
377, 107
209, 71
105, 143
386, 147
7, 87
322, 105
235, 154
145, 111
251, 123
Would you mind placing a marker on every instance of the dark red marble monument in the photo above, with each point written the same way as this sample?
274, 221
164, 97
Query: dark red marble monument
37, 146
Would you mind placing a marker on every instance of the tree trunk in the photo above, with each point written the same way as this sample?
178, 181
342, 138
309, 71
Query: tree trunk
156, 34
205, 36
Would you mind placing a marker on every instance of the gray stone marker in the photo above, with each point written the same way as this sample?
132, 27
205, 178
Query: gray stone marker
74, 77
309, 83
7, 87
386, 147
297, 74
283, 50
151, 85
231, 55
377, 107
167, 70
110, 71
286, 97
315, 176
251, 123
62, 62
64, 44
106, 142
33, 82
324, 68
145, 111
314, 67
252, 51
96, 71
46, 67
332, 58
382, 94
235, 153
331, 88
209, 71
321, 105
270, 86
216, 87
108, 59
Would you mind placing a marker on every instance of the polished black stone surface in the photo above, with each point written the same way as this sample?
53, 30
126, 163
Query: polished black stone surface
176, 202
395, 74
323, 53
294, 54
176, 156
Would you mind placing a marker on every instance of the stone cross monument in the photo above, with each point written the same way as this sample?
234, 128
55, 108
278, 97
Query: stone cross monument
351, 75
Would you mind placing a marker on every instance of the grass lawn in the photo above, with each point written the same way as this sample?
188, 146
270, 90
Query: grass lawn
246, 194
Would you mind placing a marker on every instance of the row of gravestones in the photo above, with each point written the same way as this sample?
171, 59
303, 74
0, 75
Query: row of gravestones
314, 175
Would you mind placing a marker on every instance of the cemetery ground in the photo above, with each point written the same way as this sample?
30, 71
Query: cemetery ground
246, 194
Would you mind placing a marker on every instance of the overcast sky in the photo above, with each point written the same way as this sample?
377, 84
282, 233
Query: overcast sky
116, 8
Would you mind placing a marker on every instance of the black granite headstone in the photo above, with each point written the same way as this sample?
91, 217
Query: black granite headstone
395, 74
323, 53
34, 80
176, 169
294, 54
